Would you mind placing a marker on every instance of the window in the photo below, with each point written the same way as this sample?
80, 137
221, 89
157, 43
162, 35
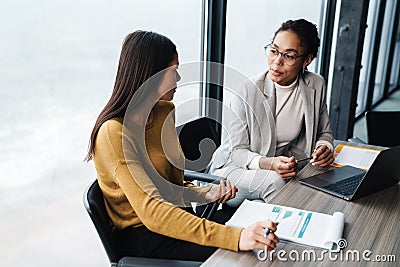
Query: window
394, 75
366, 60
384, 49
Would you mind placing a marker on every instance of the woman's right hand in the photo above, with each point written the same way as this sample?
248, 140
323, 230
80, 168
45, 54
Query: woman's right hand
253, 237
284, 166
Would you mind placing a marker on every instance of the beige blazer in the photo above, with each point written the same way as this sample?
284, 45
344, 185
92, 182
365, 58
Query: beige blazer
249, 121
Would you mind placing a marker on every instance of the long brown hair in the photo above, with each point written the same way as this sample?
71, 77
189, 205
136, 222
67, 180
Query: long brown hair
143, 54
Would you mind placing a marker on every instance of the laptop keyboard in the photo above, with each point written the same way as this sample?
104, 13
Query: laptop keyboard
347, 186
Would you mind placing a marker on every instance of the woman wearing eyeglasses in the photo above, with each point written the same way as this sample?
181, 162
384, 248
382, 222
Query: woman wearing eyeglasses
279, 121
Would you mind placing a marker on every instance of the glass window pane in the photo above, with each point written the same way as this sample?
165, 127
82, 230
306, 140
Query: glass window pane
367, 57
395, 73
384, 49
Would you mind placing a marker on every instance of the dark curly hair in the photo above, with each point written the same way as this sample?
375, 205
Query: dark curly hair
306, 31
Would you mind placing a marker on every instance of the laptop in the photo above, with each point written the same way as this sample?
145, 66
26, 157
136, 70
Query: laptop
349, 183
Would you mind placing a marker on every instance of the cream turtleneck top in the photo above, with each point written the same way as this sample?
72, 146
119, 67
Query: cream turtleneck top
289, 116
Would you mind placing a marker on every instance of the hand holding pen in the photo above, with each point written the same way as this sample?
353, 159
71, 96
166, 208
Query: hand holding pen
259, 236
322, 156
303, 159
284, 166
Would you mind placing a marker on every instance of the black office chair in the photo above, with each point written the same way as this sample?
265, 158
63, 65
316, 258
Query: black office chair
94, 204
382, 128
199, 140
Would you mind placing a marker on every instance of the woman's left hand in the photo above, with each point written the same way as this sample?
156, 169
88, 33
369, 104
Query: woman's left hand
322, 156
222, 192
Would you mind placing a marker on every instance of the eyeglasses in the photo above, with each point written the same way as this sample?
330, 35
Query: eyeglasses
289, 58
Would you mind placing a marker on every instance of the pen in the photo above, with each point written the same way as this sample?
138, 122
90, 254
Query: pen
267, 232
300, 160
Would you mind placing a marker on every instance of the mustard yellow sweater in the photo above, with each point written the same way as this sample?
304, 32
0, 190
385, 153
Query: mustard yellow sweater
129, 171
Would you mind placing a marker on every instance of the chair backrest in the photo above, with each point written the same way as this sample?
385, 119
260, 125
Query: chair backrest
94, 204
199, 140
382, 128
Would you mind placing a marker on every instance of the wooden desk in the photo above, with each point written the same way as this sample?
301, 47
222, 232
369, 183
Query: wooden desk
372, 224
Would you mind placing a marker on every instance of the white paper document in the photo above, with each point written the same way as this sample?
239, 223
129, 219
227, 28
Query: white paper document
361, 158
295, 225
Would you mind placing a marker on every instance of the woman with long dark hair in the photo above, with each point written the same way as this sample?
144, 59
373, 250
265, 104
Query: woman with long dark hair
139, 164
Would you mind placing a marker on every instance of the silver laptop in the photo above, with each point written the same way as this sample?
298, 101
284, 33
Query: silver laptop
350, 183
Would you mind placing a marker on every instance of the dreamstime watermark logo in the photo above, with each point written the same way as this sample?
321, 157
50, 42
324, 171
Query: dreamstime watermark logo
310, 255
341, 243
